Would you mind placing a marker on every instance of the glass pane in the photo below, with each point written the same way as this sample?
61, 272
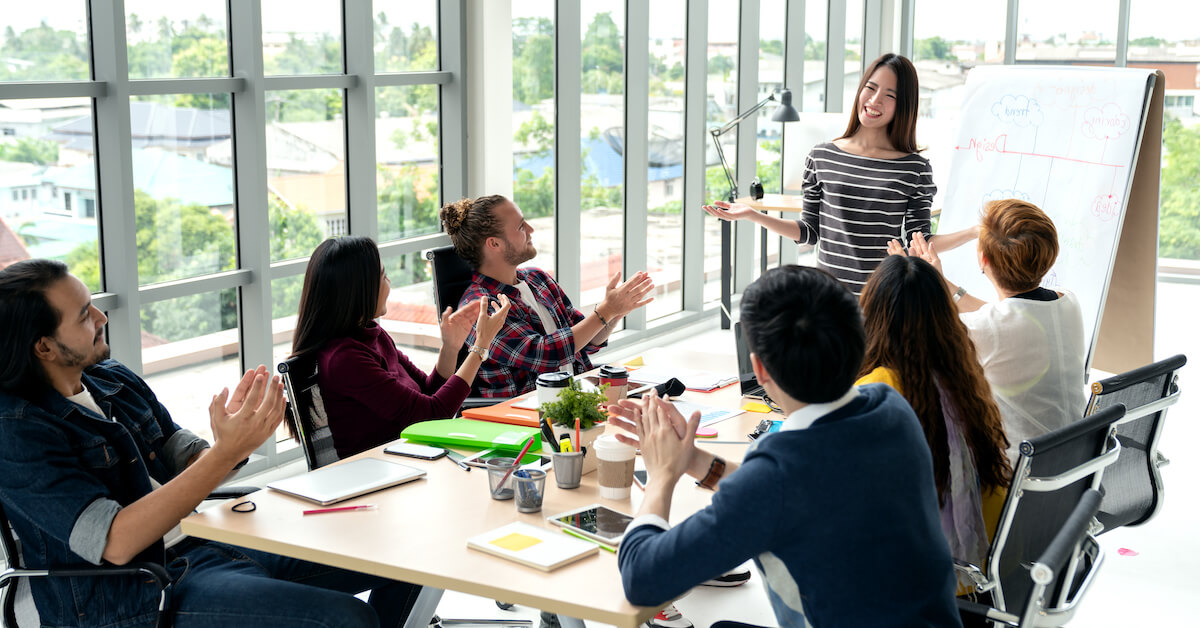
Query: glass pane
44, 41
183, 187
769, 147
723, 20
176, 39
302, 41
406, 161
603, 125
944, 52
664, 197
1069, 31
1161, 34
48, 205
306, 170
411, 317
533, 122
190, 352
405, 35
854, 60
815, 15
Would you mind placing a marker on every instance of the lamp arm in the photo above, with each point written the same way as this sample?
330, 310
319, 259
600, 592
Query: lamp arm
734, 122
716, 134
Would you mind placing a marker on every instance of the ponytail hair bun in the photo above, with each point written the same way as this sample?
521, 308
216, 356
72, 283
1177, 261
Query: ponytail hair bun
453, 215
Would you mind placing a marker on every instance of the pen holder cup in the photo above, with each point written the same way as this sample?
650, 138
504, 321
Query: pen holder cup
500, 486
530, 488
568, 469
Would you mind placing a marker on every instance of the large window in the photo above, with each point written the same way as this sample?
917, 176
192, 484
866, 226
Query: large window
723, 20
533, 116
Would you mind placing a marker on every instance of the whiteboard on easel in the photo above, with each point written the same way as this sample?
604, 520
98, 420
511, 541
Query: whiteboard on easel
1064, 139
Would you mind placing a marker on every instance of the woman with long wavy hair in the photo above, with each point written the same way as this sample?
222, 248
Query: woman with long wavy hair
917, 344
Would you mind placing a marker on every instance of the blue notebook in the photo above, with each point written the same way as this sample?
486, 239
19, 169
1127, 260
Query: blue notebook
471, 434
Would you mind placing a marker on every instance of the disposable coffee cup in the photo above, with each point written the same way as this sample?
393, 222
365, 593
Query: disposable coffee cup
617, 378
614, 467
549, 385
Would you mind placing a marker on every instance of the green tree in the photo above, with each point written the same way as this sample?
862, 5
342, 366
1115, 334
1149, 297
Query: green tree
30, 150
1179, 209
533, 70
42, 53
722, 65
934, 48
813, 50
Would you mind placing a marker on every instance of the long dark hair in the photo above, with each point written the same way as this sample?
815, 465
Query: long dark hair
902, 130
341, 292
26, 317
913, 329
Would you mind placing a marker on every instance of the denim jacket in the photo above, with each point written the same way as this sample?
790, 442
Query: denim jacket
65, 472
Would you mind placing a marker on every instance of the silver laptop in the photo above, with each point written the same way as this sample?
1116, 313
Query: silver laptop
750, 386
336, 483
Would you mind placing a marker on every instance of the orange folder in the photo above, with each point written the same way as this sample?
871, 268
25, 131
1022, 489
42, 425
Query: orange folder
504, 412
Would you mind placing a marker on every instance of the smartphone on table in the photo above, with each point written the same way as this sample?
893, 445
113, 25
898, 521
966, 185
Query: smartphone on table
412, 450
640, 478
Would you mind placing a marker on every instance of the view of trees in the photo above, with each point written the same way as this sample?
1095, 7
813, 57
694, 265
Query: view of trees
1179, 205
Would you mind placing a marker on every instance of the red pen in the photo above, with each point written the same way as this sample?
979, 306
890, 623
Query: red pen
577, 441
319, 511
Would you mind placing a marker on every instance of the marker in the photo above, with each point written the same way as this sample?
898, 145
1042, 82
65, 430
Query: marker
582, 537
564, 445
458, 459
320, 511
548, 434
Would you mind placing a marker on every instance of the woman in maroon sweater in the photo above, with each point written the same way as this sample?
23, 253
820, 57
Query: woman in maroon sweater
370, 389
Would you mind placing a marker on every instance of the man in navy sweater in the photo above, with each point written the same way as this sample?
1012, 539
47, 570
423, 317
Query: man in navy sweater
838, 509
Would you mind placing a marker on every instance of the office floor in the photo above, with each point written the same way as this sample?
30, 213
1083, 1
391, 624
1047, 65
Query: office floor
1149, 574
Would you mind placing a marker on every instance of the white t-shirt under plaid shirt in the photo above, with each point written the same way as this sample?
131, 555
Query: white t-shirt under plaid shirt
854, 205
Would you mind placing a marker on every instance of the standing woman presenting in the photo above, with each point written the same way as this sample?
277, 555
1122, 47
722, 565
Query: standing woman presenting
868, 186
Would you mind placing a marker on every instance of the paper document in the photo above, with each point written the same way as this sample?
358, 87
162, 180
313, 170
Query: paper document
691, 378
708, 414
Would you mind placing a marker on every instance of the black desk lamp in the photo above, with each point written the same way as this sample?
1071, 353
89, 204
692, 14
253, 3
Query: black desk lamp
784, 113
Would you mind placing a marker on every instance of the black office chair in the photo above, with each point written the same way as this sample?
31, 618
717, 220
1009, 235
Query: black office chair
1133, 486
1071, 544
1053, 472
305, 414
451, 276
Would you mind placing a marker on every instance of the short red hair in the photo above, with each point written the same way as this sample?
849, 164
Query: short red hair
1020, 243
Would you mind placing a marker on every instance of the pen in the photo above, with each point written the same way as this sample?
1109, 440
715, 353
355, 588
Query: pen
577, 444
458, 460
580, 536
319, 511
548, 434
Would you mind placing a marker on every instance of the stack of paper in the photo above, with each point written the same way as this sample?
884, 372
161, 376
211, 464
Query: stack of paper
692, 379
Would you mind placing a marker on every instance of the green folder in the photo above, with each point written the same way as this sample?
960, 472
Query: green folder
471, 434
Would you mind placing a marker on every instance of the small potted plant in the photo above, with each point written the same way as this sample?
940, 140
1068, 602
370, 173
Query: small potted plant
574, 402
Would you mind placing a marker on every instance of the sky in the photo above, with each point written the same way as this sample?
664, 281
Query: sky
1172, 20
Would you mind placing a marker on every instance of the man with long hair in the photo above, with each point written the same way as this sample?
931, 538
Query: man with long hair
93, 471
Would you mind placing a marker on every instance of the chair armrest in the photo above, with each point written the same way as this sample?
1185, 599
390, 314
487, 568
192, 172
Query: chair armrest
231, 492
974, 573
983, 610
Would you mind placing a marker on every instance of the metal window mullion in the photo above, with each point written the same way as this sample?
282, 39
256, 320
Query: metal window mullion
114, 181
250, 185
793, 79
53, 89
568, 149
695, 114
316, 81
908, 11
1010, 32
1122, 59
636, 144
872, 30
440, 77
835, 57
361, 194
154, 87
452, 109
198, 285
747, 140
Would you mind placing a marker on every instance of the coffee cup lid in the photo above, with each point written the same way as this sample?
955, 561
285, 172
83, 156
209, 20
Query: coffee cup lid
610, 370
554, 380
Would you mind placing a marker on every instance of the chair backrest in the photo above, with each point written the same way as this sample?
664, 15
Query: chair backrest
1053, 565
1133, 486
12, 558
1051, 474
306, 411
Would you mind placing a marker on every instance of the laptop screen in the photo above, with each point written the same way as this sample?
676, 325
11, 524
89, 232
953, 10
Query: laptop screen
746, 376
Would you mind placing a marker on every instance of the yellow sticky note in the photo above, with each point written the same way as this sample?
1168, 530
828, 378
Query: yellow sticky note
516, 542
754, 406
635, 362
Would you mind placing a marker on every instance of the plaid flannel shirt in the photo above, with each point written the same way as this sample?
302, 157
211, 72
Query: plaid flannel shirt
521, 351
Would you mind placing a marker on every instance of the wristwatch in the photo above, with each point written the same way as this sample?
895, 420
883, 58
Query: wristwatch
479, 351
958, 294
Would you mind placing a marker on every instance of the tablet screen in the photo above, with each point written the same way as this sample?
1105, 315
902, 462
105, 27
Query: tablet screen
597, 521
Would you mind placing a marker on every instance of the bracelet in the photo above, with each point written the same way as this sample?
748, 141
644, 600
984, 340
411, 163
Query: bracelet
715, 471
479, 351
600, 316
958, 294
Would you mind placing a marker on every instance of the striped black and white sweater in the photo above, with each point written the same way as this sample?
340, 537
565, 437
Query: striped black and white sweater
854, 205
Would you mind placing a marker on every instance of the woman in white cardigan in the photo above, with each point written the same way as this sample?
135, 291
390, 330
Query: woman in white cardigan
1030, 341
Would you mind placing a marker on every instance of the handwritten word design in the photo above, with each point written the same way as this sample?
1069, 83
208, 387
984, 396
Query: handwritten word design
983, 145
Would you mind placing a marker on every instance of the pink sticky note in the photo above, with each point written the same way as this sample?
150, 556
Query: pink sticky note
1126, 552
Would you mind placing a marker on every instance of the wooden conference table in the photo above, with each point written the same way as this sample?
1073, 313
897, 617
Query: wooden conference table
419, 532
769, 202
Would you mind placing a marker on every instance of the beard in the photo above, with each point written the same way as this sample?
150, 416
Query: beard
73, 358
515, 256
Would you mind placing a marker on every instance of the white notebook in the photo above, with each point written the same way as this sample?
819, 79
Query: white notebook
542, 548
332, 484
